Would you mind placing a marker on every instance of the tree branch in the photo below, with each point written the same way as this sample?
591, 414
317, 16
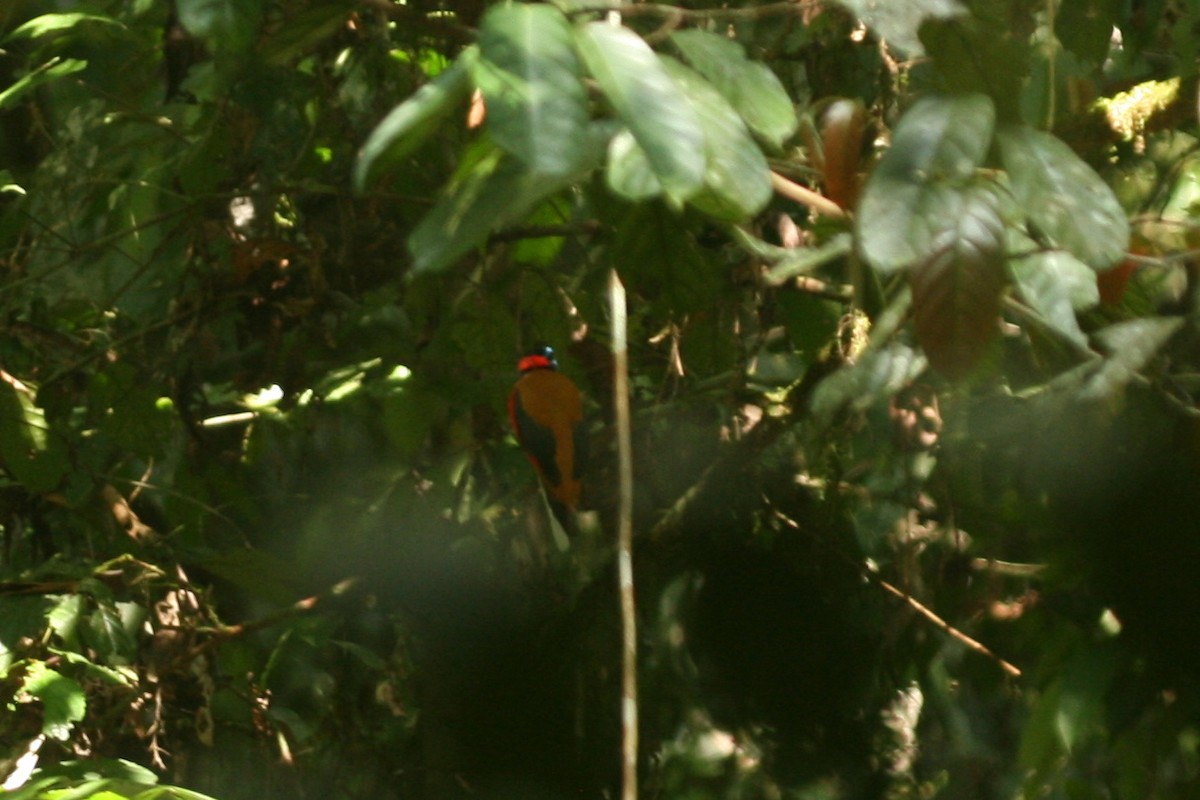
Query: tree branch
629, 690
669, 11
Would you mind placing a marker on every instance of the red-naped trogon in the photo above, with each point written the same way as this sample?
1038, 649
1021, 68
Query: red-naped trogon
546, 411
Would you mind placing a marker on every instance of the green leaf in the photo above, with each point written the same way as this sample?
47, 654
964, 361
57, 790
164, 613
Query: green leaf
490, 192
898, 23
803, 260
21, 617
27, 451
749, 86
531, 79
52, 70
957, 287
938, 145
1063, 197
105, 632
1056, 285
980, 53
1041, 745
634, 80
877, 374
628, 171
125, 676
65, 616
413, 122
303, 31
227, 25
659, 259
49, 23
1085, 27
63, 700
1129, 346
810, 321
736, 175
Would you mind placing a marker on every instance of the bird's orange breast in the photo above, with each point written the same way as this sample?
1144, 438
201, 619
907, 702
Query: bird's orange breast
546, 410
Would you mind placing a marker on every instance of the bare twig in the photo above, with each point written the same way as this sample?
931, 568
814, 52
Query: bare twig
1009, 669
697, 14
296, 609
1008, 569
806, 197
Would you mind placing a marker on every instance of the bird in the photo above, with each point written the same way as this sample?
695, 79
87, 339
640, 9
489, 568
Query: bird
545, 408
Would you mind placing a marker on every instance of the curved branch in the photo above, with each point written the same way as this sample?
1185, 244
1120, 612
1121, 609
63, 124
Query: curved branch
664, 10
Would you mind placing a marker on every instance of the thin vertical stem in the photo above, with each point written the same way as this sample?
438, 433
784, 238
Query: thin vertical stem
629, 689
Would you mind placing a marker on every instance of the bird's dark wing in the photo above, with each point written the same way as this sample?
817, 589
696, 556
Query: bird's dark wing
582, 446
537, 440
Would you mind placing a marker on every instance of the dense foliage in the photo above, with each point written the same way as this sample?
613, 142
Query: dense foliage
914, 354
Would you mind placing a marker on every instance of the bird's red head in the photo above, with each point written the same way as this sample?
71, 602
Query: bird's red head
538, 358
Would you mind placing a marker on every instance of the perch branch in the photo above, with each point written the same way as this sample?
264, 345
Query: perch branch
629, 689
973, 644
805, 196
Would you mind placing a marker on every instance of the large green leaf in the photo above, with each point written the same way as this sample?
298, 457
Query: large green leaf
736, 175
980, 53
957, 287
1063, 197
532, 82
410, 124
63, 700
938, 145
490, 192
1056, 285
634, 80
752, 88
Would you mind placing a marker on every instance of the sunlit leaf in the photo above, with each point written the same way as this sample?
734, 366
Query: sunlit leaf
736, 177
1064, 198
1057, 285
749, 86
939, 144
1128, 346
63, 699
879, 373
413, 122
50, 23
633, 78
52, 70
106, 633
957, 287
65, 616
628, 171
531, 80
